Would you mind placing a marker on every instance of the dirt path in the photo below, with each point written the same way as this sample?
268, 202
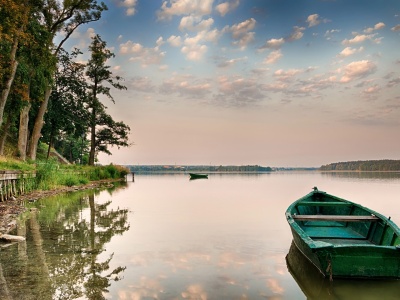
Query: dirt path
9, 210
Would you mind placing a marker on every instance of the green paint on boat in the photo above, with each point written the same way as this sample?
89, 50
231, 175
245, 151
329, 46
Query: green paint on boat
198, 176
344, 239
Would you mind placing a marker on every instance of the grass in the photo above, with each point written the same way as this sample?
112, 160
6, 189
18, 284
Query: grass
50, 174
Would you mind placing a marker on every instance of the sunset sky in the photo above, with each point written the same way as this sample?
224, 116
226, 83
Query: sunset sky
267, 82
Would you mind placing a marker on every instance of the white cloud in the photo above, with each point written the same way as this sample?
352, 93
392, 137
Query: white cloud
242, 33
328, 34
372, 89
350, 51
297, 33
194, 51
193, 23
360, 38
184, 7
175, 41
286, 75
273, 57
313, 20
139, 53
377, 26
130, 6
273, 44
185, 85
231, 62
356, 70
396, 28
226, 7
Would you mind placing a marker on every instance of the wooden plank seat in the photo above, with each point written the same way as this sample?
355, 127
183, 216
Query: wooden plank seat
332, 233
338, 218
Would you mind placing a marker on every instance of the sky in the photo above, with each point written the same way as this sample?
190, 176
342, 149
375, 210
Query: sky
277, 83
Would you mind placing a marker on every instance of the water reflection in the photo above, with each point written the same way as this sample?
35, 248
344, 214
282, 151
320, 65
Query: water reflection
62, 257
315, 286
362, 175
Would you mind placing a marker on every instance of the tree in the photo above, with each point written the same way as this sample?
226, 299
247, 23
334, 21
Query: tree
14, 16
98, 73
66, 120
61, 17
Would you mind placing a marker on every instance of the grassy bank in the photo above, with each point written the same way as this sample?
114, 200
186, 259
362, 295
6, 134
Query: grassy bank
50, 174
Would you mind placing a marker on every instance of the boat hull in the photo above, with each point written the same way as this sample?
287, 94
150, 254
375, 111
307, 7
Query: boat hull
358, 261
198, 176
376, 254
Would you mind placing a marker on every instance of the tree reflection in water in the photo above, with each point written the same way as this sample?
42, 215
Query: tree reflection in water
62, 256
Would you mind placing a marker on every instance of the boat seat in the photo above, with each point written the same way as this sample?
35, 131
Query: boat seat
337, 218
333, 233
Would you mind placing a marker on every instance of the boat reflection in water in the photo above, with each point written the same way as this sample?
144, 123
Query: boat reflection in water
315, 286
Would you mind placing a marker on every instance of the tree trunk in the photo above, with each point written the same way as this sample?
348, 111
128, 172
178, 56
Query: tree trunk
92, 153
23, 131
4, 133
39, 121
6, 91
92, 139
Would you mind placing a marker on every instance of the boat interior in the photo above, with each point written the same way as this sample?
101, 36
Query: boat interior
328, 219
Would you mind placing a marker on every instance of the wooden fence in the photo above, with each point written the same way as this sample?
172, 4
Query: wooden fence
14, 183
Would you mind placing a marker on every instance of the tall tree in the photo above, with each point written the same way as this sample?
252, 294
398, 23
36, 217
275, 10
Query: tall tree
61, 17
66, 119
99, 74
14, 16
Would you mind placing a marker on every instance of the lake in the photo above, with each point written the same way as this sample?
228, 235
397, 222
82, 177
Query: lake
164, 236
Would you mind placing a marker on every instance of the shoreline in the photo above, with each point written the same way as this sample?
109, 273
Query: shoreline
11, 209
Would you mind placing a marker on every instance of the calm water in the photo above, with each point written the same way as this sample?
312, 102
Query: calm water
166, 237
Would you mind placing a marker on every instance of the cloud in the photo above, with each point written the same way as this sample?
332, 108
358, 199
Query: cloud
357, 69
226, 7
372, 90
238, 91
360, 38
174, 41
142, 84
393, 82
350, 51
273, 44
139, 53
273, 57
184, 7
296, 34
396, 28
241, 32
130, 6
313, 20
228, 63
328, 34
377, 26
193, 23
187, 86
194, 51
288, 75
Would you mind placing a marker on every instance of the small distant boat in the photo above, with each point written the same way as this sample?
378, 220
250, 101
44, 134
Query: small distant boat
197, 176
344, 239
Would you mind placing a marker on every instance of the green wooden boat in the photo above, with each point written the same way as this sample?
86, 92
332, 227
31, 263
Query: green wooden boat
344, 239
197, 176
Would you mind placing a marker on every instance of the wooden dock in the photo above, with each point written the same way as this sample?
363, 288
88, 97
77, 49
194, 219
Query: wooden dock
14, 183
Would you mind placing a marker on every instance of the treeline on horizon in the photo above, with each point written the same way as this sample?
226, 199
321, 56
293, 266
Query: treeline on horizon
201, 168
363, 165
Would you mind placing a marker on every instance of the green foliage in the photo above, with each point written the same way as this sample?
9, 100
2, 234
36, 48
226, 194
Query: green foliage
366, 165
13, 164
